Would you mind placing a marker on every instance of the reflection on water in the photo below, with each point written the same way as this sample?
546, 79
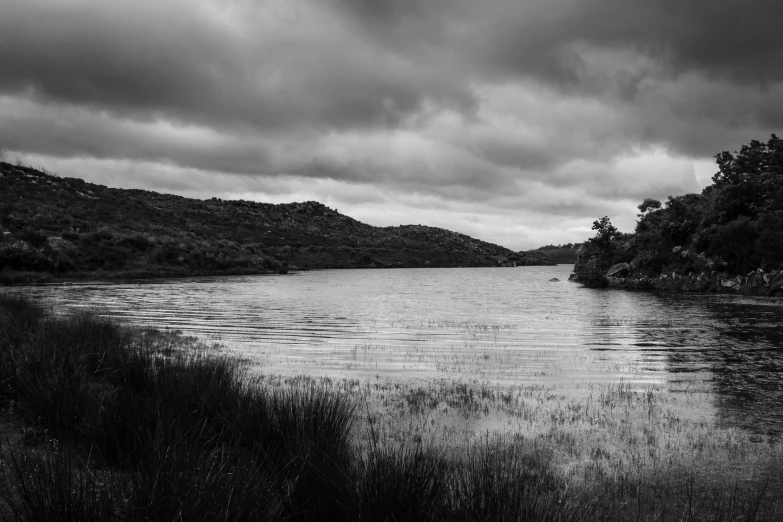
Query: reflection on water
496, 325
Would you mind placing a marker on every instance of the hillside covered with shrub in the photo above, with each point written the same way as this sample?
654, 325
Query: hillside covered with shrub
733, 230
65, 227
561, 254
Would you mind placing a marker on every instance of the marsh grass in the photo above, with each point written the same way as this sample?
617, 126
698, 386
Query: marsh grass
110, 423
615, 452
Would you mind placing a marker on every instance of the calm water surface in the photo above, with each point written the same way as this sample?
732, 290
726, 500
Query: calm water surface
504, 325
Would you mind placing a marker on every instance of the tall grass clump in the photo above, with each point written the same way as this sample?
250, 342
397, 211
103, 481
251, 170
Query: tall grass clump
403, 483
183, 432
48, 483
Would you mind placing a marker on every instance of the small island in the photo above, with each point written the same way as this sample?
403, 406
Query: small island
727, 239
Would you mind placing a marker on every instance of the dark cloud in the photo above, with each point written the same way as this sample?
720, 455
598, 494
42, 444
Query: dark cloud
374, 63
655, 56
171, 60
716, 37
73, 132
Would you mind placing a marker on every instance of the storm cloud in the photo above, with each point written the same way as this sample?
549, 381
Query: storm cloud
518, 122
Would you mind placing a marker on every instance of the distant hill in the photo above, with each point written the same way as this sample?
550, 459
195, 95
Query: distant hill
561, 254
66, 227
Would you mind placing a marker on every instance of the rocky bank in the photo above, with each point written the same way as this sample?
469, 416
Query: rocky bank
590, 271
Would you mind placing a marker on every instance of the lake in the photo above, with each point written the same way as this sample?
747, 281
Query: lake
503, 326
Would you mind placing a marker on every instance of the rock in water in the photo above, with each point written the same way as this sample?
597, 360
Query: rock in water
554, 280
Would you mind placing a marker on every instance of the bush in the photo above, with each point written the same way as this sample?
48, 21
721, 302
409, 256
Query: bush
36, 238
138, 242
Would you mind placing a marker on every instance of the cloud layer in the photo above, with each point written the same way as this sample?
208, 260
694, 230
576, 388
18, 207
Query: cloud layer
516, 122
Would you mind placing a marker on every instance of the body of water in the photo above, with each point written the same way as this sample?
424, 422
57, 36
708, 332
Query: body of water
504, 326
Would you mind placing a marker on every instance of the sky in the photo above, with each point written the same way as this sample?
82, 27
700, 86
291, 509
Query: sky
518, 122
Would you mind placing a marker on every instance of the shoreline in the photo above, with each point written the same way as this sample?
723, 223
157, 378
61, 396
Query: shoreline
755, 284
48, 279
22, 278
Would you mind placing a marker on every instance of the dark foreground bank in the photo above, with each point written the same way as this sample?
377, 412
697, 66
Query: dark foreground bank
101, 422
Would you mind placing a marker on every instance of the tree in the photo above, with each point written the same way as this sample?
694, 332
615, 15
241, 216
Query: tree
750, 181
648, 205
606, 233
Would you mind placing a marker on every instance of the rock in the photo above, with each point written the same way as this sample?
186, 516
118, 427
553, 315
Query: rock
731, 284
554, 280
619, 270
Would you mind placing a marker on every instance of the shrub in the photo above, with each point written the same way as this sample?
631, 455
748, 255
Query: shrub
36, 238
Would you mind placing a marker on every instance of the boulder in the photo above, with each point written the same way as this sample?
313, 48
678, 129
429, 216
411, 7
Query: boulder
731, 284
554, 280
619, 270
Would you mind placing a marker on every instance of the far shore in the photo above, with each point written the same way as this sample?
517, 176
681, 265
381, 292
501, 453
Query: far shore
21, 278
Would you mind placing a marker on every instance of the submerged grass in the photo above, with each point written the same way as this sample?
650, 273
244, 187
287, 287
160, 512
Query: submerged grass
101, 422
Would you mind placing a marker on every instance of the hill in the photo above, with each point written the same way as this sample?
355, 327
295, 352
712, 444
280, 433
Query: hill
68, 228
561, 254
729, 238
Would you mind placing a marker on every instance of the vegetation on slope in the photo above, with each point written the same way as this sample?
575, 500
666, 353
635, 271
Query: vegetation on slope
561, 254
734, 227
67, 227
